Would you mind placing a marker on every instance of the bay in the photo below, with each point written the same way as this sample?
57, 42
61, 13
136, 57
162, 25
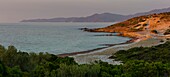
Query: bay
56, 38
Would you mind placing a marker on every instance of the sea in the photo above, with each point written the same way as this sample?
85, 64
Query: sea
55, 38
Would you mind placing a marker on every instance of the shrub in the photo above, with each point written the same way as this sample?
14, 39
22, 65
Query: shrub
145, 24
154, 31
167, 32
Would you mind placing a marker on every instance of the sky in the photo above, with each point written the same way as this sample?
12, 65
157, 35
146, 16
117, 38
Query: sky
17, 10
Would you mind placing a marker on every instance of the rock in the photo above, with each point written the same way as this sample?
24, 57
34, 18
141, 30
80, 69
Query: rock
87, 29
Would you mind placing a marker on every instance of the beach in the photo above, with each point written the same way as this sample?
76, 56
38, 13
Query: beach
104, 54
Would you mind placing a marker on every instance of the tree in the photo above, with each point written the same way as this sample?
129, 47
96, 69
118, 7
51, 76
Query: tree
9, 57
3, 70
2, 51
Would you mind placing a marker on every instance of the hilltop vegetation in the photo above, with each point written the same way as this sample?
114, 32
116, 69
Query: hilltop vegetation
138, 62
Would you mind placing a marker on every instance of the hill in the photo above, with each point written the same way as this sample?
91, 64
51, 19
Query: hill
155, 24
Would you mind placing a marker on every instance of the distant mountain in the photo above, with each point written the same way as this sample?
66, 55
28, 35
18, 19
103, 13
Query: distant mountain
104, 17
150, 12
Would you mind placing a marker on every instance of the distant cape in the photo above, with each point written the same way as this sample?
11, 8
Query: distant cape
104, 17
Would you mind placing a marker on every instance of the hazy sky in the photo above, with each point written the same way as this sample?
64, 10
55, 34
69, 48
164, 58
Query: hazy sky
16, 10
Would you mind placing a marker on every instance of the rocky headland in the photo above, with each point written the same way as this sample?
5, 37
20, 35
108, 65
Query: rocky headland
138, 27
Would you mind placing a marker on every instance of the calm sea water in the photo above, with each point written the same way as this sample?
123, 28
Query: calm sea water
54, 38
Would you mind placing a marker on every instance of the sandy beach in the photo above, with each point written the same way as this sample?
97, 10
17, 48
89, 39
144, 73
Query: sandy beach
104, 54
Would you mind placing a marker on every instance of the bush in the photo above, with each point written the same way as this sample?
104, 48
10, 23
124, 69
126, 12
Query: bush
154, 31
145, 24
153, 54
167, 32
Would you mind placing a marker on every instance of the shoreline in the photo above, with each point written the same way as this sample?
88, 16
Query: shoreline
104, 54
132, 40
80, 52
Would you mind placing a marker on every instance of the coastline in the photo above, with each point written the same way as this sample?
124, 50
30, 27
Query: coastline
90, 56
104, 55
80, 52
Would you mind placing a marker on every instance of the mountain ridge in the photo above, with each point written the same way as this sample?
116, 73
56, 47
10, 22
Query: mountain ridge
103, 17
151, 12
